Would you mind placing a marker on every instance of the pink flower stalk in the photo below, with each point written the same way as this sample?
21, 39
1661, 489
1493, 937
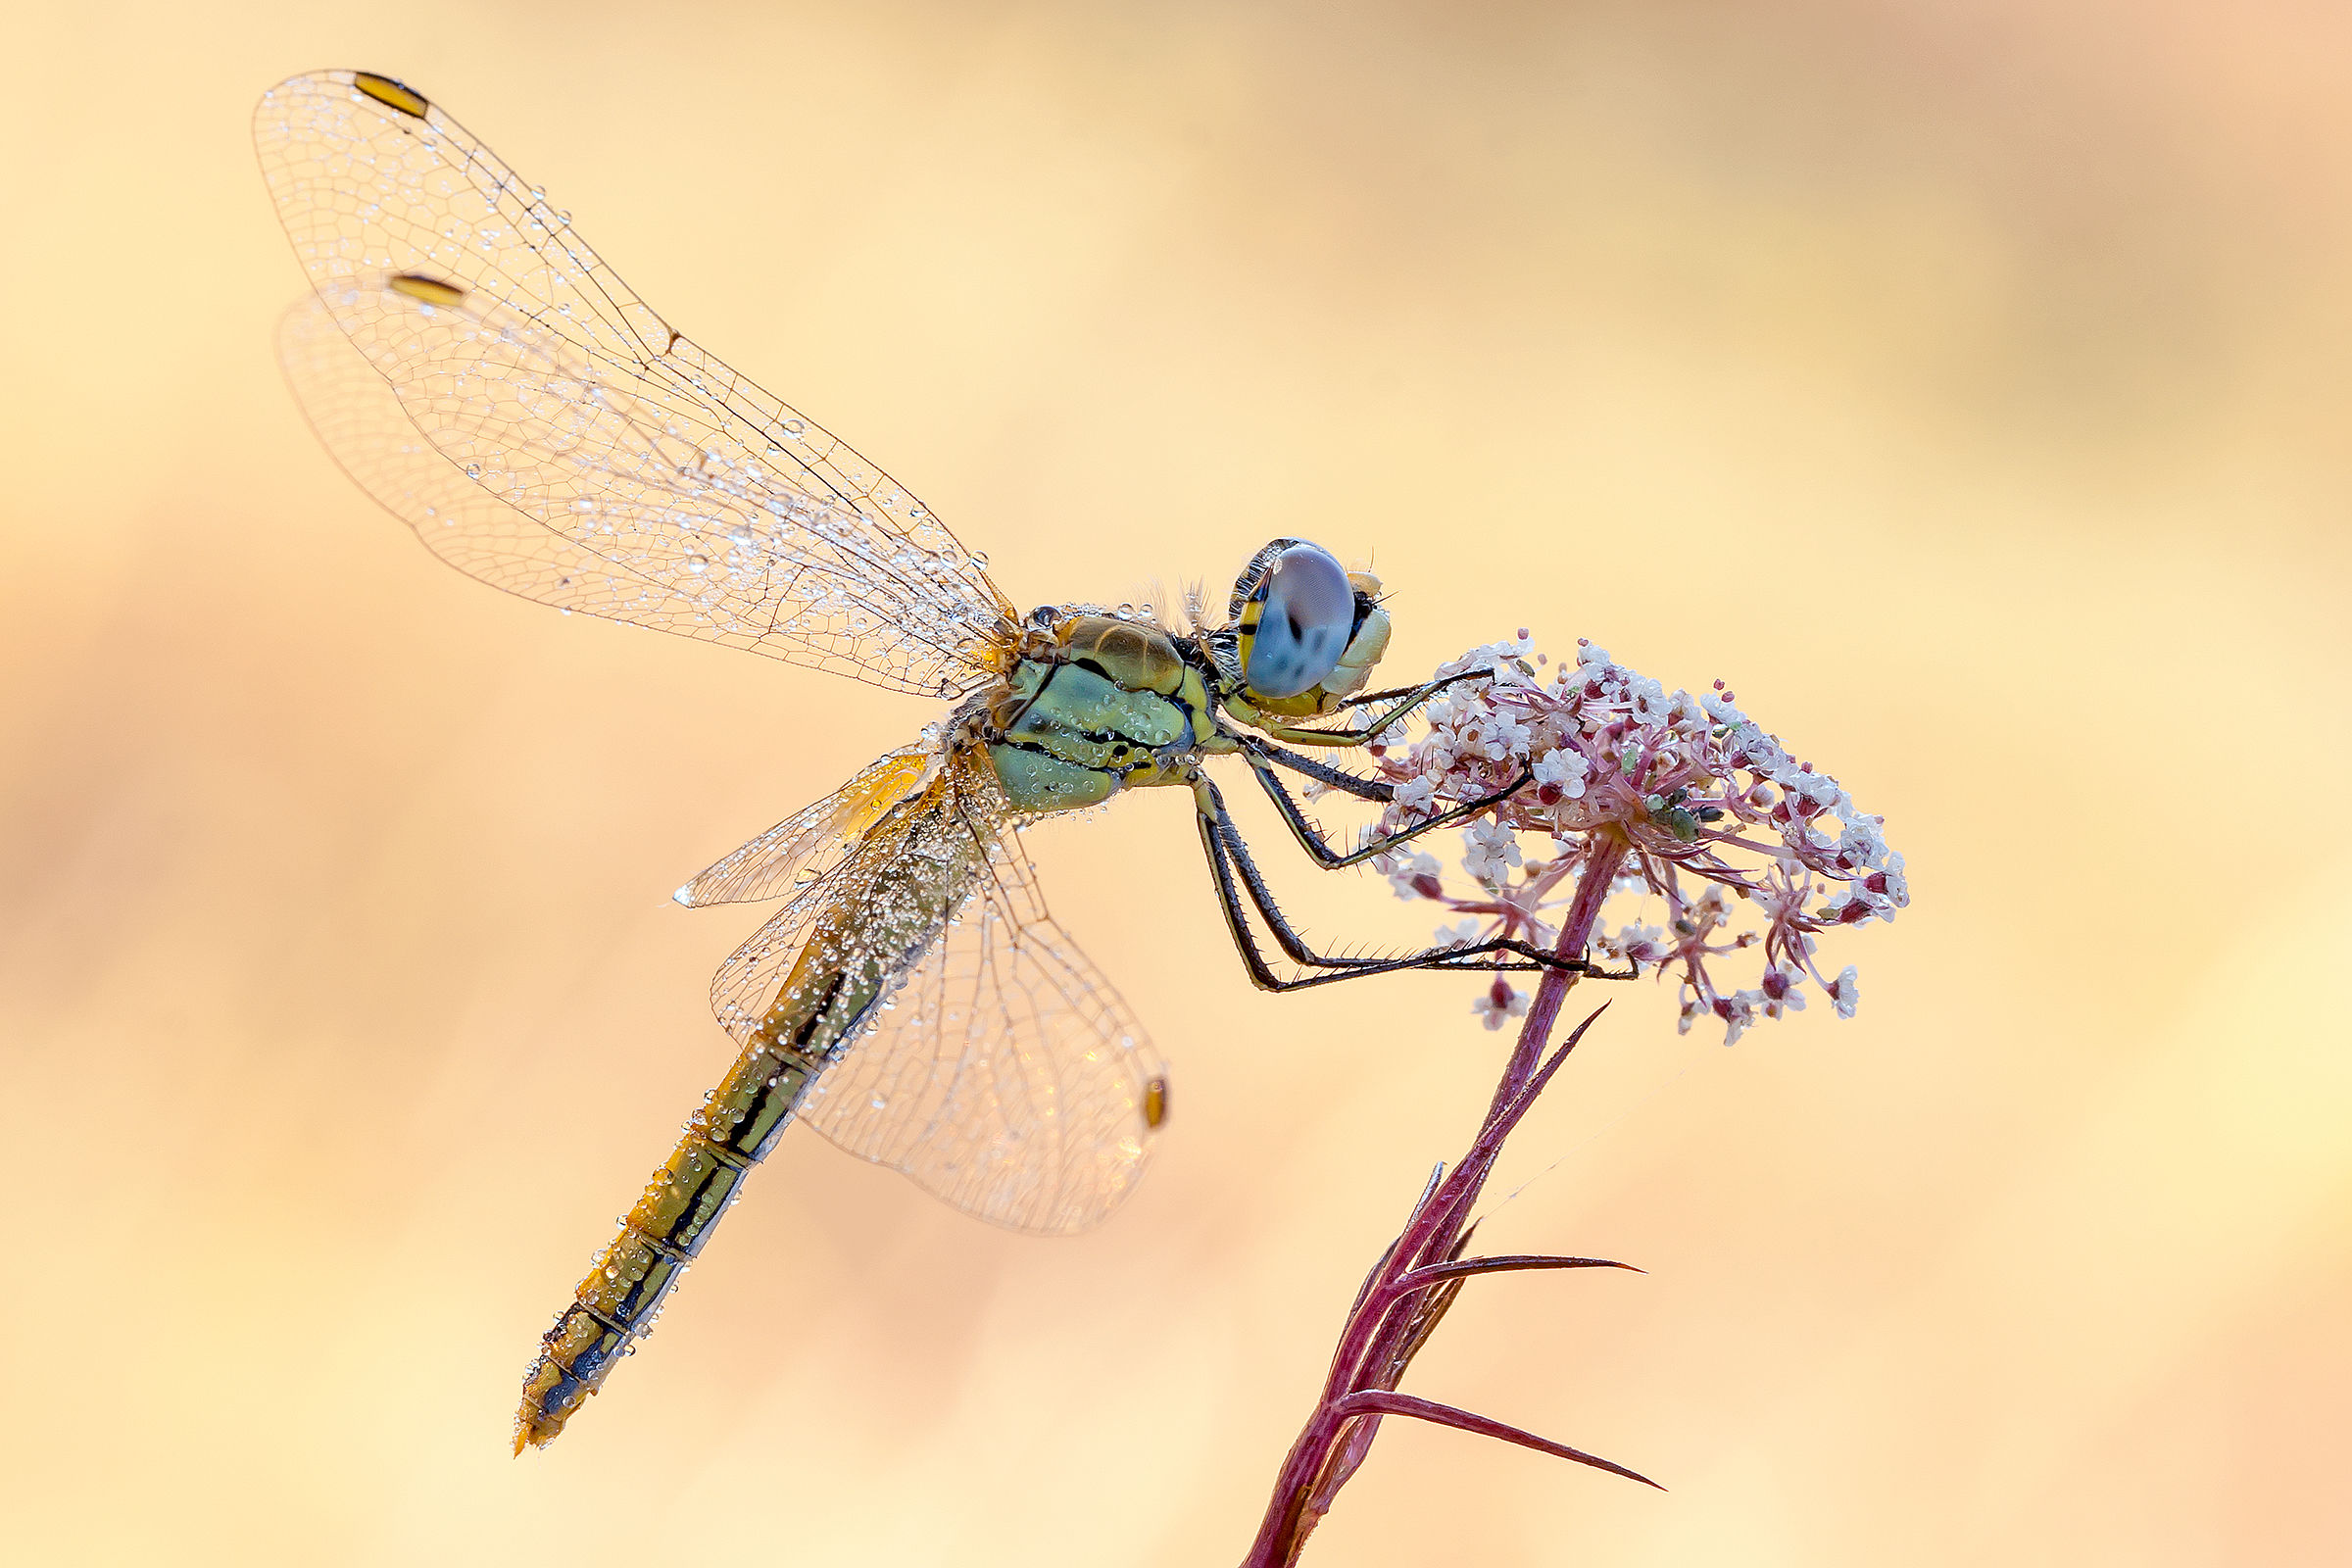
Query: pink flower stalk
1642, 794
1733, 844
1414, 1284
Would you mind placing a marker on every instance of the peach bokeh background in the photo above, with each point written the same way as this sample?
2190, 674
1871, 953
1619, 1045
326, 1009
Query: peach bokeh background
1967, 385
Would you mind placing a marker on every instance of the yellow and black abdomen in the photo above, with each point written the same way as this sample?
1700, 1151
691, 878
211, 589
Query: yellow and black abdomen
889, 908
617, 1304
1116, 708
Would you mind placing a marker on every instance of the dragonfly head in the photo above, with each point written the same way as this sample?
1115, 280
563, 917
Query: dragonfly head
1307, 630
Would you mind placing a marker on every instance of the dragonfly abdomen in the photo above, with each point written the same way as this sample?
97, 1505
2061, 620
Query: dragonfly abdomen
867, 936
617, 1304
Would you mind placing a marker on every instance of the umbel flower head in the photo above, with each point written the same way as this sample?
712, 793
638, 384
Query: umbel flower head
1732, 857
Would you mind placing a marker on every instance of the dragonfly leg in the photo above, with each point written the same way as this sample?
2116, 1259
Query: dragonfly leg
1408, 699
1377, 790
1318, 848
1236, 877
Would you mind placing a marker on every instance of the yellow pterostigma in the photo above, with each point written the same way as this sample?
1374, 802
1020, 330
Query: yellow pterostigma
482, 373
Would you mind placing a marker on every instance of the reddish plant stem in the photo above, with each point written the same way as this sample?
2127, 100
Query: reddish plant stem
1381, 1320
1603, 853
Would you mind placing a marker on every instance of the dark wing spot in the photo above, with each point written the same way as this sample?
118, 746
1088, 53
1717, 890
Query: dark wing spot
390, 93
429, 290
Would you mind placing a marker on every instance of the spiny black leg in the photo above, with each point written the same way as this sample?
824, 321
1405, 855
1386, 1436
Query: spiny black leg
1376, 790
1237, 856
1412, 697
1228, 902
1261, 974
1428, 688
1228, 854
1238, 850
1310, 839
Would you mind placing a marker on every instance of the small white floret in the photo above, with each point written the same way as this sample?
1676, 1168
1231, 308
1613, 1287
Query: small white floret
1846, 991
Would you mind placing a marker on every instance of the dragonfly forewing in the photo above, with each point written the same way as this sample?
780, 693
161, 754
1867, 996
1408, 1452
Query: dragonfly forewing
681, 495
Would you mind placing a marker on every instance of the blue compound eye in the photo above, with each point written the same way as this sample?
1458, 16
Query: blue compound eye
1303, 624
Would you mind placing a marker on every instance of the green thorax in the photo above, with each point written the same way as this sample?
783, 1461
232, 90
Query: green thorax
1114, 704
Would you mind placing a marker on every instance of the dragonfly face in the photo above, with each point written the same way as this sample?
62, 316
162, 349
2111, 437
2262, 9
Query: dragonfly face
1300, 618
480, 372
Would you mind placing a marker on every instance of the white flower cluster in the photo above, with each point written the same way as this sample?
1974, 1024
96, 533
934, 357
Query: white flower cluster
1702, 811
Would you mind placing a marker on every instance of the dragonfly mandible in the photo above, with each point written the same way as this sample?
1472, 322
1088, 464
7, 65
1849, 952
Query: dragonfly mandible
485, 376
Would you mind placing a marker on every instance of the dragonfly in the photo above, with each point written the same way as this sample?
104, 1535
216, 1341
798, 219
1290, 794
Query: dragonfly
485, 376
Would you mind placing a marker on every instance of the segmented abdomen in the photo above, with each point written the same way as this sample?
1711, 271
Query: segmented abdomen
889, 908
616, 1303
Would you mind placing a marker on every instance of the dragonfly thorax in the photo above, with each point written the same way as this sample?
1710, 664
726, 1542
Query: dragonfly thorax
1111, 705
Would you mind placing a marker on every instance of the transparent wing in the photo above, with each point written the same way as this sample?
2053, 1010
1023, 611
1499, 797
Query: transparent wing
805, 847
1008, 1077
1004, 1073
541, 429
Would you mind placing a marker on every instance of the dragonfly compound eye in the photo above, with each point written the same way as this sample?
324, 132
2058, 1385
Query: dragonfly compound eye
1305, 615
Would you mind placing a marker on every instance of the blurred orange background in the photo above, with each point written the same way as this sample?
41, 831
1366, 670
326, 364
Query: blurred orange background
1966, 385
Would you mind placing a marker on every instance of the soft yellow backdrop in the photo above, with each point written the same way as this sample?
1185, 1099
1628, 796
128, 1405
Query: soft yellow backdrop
1965, 384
